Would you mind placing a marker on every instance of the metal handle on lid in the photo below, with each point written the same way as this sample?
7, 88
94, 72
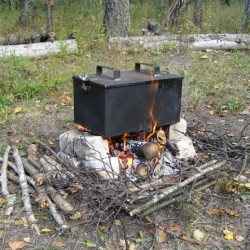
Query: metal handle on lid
155, 66
117, 73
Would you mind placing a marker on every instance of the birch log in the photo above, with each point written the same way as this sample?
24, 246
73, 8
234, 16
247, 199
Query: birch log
170, 190
25, 190
38, 49
10, 198
189, 41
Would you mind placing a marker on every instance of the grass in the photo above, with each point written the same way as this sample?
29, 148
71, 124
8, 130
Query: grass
36, 79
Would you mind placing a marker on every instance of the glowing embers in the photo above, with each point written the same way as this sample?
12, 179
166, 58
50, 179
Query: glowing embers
139, 153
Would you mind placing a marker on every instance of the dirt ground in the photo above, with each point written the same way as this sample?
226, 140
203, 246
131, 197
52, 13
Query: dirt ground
48, 119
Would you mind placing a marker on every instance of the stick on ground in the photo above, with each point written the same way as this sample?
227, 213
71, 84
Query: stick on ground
25, 190
10, 198
170, 190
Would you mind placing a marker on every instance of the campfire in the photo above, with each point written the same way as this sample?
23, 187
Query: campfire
129, 151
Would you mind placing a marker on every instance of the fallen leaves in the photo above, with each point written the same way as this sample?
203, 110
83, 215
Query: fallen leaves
22, 222
228, 235
17, 110
16, 244
162, 238
231, 212
213, 211
175, 227
211, 112
198, 235
239, 238
46, 230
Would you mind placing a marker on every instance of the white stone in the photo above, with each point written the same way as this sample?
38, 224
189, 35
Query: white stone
69, 161
83, 145
177, 130
185, 148
107, 168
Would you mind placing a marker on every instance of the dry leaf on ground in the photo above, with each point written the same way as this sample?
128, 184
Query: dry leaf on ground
162, 238
46, 230
175, 227
231, 212
198, 235
228, 234
16, 244
22, 222
1, 233
17, 110
213, 211
239, 238
2, 200
132, 246
211, 112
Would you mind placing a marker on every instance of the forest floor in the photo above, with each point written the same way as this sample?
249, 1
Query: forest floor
216, 209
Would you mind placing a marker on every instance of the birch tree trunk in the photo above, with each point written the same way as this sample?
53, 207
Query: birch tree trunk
117, 17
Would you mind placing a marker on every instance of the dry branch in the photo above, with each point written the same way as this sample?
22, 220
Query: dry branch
32, 156
10, 198
64, 205
42, 197
25, 190
15, 169
174, 199
57, 217
171, 190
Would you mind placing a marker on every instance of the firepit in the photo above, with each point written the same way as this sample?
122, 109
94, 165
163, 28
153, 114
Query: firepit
127, 123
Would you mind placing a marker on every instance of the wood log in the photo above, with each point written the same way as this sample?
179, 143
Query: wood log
10, 198
15, 169
38, 49
25, 190
64, 205
33, 156
170, 190
190, 41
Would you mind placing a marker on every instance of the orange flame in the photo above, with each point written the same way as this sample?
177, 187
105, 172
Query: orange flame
154, 87
80, 127
125, 142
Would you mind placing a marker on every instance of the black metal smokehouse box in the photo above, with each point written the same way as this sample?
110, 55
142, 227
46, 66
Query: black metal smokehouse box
116, 102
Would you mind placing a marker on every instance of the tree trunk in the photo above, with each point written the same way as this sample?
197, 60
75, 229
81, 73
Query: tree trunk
49, 5
198, 13
28, 12
227, 2
117, 18
246, 14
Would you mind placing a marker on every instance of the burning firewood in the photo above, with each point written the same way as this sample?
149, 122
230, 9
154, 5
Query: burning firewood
144, 150
25, 190
10, 198
161, 137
